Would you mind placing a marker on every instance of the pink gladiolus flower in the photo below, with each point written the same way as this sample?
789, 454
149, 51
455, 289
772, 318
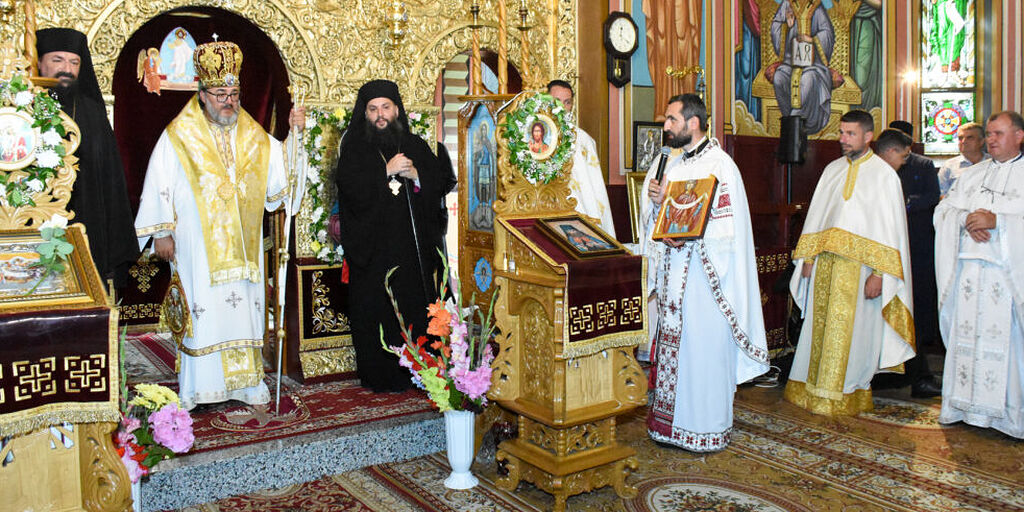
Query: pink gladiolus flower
135, 470
123, 437
172, 427
403, 359
474, 383
130, 423
459, 331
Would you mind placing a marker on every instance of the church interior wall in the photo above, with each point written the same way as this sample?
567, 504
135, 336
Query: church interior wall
331, 46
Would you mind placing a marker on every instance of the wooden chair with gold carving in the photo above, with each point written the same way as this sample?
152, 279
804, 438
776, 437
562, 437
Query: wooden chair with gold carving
566, 368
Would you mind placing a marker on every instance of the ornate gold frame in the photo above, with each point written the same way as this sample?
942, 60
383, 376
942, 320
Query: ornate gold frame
85, 285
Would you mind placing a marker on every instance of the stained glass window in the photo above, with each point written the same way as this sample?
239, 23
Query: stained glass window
947, 39
947, 72
943, 113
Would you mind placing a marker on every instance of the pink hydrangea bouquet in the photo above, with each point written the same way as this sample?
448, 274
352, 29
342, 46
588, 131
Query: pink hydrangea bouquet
153, 427
456, 371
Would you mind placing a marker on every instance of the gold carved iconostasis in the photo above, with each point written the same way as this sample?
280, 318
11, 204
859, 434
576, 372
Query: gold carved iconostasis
328, 49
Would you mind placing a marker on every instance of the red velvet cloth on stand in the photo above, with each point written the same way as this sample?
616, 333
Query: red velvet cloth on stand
604, 293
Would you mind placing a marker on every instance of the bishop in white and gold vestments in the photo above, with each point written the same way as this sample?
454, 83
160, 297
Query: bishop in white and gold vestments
856, 226
208, 183
981, 291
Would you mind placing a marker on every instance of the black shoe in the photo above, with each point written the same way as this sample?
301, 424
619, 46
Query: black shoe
926, 388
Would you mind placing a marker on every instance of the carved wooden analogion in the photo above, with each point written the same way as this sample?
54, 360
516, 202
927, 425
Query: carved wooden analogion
59, 377
565, 397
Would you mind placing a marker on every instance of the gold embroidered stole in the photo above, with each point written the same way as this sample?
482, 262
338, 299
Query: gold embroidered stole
863, 251
231, 214
836, 291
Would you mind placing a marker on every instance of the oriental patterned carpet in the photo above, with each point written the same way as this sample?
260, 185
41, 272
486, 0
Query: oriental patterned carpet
304, 409
781, 459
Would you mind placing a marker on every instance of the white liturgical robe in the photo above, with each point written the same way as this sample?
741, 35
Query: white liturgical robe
981, 299
586, 183
222, 360
856, 225
709, 328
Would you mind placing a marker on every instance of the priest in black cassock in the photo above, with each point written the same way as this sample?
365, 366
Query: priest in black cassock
390, 187
99, 197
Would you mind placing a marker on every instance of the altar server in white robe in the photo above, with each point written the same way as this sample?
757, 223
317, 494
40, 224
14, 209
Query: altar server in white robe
586, 183
979, 265
709, 335
852, 280
212, 174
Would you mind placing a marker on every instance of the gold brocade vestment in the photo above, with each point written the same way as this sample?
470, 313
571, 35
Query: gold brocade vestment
843, 238
230, 207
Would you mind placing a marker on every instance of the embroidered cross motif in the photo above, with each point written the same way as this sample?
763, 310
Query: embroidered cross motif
233, 299
197, 311
990, 380
965, 329
259, 305
968, 289
994, 331
166, 194
997, 292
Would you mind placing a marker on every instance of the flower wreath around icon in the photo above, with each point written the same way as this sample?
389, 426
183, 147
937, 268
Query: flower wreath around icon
518, 126
453, 363
50, 152
318, 120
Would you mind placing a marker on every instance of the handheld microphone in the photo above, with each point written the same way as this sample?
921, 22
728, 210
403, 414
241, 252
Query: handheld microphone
665, 151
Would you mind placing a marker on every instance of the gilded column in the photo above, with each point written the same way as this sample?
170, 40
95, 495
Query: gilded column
30, 36
502, 47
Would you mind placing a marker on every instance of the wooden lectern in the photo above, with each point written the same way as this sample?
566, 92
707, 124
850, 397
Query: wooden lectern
570, 324
59, 359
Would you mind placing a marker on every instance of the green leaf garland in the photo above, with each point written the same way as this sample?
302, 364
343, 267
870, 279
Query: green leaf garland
45, 112
516, 131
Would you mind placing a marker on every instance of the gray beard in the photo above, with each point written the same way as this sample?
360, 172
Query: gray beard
220, 119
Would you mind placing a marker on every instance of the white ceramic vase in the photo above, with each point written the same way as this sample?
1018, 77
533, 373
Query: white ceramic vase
137, 496
458, 426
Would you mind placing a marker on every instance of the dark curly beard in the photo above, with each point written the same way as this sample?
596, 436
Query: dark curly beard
387, 139
65, 93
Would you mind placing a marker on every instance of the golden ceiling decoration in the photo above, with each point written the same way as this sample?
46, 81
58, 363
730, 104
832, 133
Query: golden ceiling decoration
333, 46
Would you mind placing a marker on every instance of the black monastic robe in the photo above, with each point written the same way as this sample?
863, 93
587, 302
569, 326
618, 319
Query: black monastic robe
376, 234
99, 197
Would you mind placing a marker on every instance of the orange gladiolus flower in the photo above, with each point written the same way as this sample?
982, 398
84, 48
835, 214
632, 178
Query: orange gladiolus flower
439, 319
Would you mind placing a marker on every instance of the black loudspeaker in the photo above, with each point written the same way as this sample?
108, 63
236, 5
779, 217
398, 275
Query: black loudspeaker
792, 140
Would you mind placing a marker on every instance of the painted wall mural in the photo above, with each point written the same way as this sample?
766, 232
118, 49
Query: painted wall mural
814, 58
673, 39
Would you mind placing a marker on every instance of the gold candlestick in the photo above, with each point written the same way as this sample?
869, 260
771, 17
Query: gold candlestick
553, 37
524, 43
476, 80
502, 47
30, 37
